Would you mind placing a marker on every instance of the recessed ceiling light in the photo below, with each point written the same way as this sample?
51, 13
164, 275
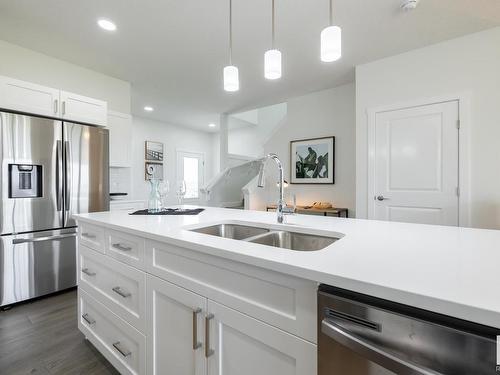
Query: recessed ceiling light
211, 125
148, 108
106, 24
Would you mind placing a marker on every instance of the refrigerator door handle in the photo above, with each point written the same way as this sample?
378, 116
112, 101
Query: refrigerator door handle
17, 241
66, 174
59, 181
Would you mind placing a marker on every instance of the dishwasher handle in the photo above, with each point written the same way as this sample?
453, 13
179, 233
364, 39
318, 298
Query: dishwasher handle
372, 352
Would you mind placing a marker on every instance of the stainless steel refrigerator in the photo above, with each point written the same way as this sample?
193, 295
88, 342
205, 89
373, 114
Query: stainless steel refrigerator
50, 170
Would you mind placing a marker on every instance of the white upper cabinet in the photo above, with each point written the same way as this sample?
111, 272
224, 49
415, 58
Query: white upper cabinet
28, 97
120, 139
17, 95
80, 108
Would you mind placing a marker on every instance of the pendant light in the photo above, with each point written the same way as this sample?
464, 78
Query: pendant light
231, 75
331, 41
272, 57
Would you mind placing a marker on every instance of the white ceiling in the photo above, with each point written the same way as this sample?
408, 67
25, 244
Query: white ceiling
173, 51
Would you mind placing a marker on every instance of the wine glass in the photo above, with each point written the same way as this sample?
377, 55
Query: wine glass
180, 191
163, 190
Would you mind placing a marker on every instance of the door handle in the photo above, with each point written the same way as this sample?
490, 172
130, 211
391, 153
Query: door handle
381, 198
59, 182
41, 239
120, 292
196, 343
123, 352
66, 174
121, 247
56, 105
64, 107
208, 352
88, 235
372, 352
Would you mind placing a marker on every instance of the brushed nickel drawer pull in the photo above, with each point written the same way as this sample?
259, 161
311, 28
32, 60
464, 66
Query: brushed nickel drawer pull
208, 352
196, 343
88, 235
88, 272
119, 291
88, 319
123, 352
121, 247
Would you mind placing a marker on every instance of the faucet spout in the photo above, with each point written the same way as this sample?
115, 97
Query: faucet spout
281, 208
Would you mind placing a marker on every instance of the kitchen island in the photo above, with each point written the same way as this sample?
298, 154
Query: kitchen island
257, 303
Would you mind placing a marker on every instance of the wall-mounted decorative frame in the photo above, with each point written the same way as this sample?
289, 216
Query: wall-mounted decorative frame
153, 151
312, 161
153, 170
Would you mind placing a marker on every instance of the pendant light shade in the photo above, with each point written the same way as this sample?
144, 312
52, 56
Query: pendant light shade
331, 41
231, 75
331, 44
272, 64
231, 78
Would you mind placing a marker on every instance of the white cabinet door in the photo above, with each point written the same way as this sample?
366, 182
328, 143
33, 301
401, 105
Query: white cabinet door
28, 97
241, 345
175, 329
80, 108
120, 139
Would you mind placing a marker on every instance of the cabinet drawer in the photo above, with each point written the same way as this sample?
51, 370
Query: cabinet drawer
120, 343
120, 287
283, 301
91, 236
126, 248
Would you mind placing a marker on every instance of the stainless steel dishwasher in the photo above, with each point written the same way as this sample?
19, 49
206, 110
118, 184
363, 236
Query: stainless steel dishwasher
363, 335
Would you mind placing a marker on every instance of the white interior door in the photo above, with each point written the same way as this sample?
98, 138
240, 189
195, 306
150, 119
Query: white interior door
415, 165
190, 168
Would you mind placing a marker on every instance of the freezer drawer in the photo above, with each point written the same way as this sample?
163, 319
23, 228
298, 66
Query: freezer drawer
35, 264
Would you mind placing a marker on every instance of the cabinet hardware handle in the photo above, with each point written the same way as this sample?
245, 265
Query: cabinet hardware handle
119, 291
64, 107
88, 235
196, 343
123, 352
121, 247
208, 352
88, 272
88, 319
55, 105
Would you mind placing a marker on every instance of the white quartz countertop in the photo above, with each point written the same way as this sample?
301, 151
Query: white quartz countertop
449, 270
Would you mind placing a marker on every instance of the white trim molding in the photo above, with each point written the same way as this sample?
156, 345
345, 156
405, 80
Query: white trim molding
464, 183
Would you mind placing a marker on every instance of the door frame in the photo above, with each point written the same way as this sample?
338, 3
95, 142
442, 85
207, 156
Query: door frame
178, 152
464, 100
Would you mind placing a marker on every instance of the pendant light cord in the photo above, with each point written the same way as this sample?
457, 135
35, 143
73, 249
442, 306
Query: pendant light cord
230, 32
272, 27
331, 13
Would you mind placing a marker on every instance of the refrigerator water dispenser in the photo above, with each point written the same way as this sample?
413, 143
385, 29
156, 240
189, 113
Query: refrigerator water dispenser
25, 181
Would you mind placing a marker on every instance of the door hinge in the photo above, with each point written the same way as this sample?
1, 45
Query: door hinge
458, 124
457, 189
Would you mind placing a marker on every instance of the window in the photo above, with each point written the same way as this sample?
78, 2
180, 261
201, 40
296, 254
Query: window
190, 169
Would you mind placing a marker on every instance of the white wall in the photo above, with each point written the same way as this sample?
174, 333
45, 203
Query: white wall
173, 138
324, 113
28, 65
468, 64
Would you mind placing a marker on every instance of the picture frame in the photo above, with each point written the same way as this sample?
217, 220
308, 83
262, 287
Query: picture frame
312, 161
153, 170
153, 151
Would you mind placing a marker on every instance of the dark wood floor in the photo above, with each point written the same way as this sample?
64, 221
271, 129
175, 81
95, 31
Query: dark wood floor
42, 337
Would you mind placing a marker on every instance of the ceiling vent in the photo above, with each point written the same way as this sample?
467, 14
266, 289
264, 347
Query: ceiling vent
409, 4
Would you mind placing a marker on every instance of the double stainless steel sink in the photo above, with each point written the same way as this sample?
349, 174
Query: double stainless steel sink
285, 239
